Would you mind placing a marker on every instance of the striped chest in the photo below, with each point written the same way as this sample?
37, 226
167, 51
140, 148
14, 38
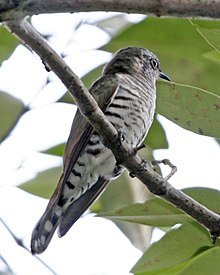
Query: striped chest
132, 109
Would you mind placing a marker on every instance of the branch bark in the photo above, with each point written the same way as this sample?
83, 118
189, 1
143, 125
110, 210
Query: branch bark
124, 154
12, 9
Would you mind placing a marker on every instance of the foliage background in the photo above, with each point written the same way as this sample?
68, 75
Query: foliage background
189, 53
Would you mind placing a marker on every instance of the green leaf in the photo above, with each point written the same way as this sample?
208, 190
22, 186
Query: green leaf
192, 108
44, 183
206, 196
175, 248
213, 56
174, 270
201, 264
11, 109
8, 43
57, 150
165, 271
205, 263
154, 212
156, 137
158, 212
210, 31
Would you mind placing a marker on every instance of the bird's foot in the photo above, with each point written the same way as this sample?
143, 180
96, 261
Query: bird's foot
214, 236
121, 136
143, 166
155, 163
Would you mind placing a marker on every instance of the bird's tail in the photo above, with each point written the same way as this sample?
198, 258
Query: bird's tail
45, 228
48, 223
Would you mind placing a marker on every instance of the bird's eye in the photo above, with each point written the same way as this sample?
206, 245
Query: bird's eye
154, 64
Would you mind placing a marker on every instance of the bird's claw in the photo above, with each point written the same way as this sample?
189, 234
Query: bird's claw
214, 236
121, 136
143, 166
154, 163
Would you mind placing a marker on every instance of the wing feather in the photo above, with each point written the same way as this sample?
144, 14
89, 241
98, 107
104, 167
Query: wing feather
78, 207
103, 90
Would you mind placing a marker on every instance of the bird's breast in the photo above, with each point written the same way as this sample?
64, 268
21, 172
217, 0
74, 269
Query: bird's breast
131, 112
132, 109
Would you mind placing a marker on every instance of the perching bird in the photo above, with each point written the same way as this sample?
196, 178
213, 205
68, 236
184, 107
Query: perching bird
126, 93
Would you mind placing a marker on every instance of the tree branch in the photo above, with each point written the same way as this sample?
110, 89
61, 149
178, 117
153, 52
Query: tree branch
12, 9
124, 154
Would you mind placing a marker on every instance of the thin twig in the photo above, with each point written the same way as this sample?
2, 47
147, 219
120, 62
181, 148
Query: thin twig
124, 154
20, 243
6, 264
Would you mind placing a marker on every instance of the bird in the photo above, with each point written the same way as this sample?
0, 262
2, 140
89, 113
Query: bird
126, 93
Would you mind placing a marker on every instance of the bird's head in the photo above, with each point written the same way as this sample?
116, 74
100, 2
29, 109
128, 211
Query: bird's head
136, 61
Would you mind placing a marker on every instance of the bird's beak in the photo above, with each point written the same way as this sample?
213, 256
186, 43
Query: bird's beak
164, 76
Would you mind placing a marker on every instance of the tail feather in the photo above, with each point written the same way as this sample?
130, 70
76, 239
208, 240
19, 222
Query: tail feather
44, 230
58, 214
78, 207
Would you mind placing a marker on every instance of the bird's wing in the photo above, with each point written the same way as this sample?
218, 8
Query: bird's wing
103, 90
78, 207
81, 131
